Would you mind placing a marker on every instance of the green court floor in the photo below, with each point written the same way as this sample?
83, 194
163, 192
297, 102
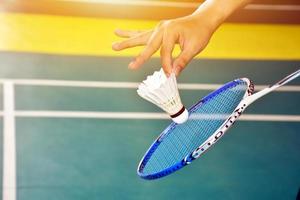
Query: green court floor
80, 158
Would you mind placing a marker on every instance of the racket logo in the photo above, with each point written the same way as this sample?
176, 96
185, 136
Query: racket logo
183, 155
219, 133
250, 90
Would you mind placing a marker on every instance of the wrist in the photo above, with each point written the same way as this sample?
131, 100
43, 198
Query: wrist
215, 12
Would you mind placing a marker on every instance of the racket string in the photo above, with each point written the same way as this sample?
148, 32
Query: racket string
207, 126
203, 122
170, 144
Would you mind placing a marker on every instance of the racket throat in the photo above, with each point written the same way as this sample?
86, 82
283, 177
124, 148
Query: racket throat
250, 99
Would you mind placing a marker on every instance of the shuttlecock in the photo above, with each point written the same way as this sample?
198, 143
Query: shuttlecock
163, 92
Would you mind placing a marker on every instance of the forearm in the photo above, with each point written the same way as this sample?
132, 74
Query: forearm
216, 11
191, 32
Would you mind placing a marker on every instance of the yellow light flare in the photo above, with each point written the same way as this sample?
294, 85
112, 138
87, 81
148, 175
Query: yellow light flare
94, 36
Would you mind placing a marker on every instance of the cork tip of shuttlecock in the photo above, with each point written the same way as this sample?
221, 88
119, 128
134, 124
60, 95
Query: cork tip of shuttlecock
182, 117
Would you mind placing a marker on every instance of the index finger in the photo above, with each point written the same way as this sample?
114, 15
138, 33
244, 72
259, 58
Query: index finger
152, 46
166, 52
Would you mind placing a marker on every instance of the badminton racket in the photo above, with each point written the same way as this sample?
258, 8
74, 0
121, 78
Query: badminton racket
180, 144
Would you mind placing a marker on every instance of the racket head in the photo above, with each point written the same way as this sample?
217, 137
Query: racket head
179, 144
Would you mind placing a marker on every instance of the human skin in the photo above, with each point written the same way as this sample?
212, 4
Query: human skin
192, 33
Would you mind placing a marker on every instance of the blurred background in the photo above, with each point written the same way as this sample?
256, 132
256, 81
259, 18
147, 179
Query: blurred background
73, 127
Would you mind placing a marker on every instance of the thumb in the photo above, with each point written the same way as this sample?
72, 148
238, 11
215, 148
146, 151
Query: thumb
182, 60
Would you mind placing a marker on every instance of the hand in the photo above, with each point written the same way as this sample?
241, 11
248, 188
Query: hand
189, 32
192, 33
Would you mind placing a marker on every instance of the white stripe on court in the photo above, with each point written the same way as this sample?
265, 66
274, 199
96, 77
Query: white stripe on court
64, 83
147, 115
9, 144
132, 85
284, 7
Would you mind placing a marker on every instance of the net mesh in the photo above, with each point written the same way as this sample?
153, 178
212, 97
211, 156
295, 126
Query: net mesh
205, 118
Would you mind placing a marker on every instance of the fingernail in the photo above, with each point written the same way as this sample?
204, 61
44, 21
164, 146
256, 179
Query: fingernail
177, 70
168, 73
115, 45
131, 65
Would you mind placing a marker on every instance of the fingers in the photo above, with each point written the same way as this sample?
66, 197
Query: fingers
182, 60
138, 40
127, 33
151, 47
166, 52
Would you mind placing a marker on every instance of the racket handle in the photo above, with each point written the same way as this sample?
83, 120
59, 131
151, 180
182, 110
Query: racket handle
287, 79
269, 89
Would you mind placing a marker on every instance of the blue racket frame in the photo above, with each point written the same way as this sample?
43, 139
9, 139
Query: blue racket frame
189, 158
